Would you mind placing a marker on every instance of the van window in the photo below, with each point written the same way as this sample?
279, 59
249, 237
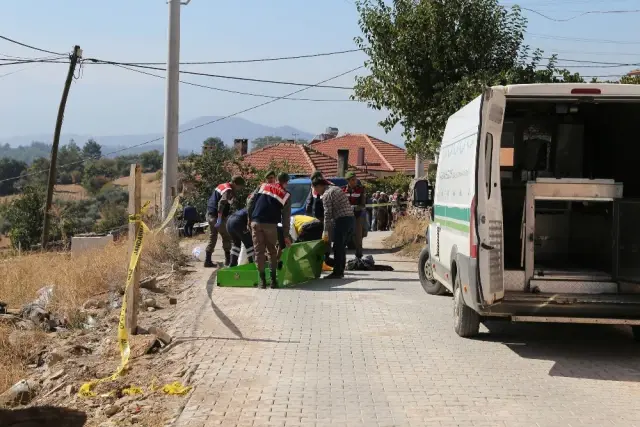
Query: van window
488, 156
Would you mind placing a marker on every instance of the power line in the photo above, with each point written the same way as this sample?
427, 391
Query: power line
193, 127
582, 40
218, 76
234, 91
245, 61
32, 47
18, 70
590, 12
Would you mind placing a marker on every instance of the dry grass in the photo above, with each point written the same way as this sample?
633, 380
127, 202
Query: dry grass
75, 279
151, 187
408, 230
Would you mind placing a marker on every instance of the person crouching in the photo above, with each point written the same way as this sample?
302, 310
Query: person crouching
237, 226
270, 205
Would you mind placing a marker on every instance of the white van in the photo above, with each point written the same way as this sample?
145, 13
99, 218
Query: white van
536, 207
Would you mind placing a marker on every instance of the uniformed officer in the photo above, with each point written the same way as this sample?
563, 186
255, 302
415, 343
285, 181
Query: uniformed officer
218, 209
237, 226
270, 205
357, 199
314, 205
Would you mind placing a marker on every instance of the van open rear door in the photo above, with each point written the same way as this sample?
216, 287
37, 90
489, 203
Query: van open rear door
488, 207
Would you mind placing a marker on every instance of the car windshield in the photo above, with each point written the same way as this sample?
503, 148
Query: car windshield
299, 194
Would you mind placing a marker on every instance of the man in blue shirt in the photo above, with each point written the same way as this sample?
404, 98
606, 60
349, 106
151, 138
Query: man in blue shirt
237, 226
190, 216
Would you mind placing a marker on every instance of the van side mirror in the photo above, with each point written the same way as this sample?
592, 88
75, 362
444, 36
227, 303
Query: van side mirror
422, 194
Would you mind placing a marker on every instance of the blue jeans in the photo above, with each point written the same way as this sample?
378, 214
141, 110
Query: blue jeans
343, 229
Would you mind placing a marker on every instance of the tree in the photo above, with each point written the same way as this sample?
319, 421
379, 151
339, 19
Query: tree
214, 141
10, 168
151, 161
428, 58
265, 141
26, 214
69, 161
92, 150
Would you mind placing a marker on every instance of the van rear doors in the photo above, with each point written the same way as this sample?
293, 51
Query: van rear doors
486, 222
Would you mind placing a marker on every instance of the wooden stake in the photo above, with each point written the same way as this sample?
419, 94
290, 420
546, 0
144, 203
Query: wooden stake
135, 205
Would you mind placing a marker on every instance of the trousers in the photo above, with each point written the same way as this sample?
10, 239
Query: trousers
213, 234
343, 229
265, 239
239, 236
358, 235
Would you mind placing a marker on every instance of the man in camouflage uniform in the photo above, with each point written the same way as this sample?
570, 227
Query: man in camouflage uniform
357, 198
218, 210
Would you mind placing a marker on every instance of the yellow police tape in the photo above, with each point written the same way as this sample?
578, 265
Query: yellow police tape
86, 390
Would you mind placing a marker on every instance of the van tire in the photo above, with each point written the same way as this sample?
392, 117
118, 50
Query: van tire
425, 271
466, 322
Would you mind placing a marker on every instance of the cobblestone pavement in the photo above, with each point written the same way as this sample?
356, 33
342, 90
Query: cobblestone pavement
375, 350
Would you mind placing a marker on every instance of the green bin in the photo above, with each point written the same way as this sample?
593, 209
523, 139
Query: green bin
300, 263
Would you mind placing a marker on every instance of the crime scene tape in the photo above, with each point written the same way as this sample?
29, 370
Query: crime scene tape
170, 215
86, 390
377, 205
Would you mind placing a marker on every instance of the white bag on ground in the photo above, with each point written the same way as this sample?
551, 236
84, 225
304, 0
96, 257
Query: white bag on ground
242, 258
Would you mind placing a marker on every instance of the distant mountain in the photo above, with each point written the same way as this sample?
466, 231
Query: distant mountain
227, 130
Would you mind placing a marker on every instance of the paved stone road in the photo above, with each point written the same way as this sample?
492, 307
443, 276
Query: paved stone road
375, 350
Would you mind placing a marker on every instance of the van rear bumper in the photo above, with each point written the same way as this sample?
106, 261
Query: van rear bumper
604, 306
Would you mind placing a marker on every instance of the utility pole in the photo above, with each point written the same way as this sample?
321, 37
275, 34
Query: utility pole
295, 137
172, 118
77, 54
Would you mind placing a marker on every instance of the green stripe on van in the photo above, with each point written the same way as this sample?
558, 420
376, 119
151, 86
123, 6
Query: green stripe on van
444, 223
453, 212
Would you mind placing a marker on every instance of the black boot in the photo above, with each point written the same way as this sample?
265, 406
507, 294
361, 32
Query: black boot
274, 280
207, 260
263, 280
227, 258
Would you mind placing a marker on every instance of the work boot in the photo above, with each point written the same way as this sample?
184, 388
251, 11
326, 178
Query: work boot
207, 260
263, 280
274, 280
227, 258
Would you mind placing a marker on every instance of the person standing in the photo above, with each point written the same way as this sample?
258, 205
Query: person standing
218, 209
190, 216
374, 211
270, 205
358, 200
339, 222
314, 205
238, 228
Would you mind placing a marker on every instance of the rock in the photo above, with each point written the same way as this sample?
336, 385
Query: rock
111, 410
20, 393
173, 300
178, 373
150, 302
164, 277
151, 309
55, 356
164, 337
94, 303
71, 390
148, 283
56, 375
142, 344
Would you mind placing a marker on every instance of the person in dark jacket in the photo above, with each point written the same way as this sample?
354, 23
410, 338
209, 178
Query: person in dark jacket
314, 205
357, 198
218, 209
238, 228
270, 205
190, 216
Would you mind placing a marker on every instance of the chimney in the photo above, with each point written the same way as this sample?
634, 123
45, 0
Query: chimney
360, 161
343, 162
241, 146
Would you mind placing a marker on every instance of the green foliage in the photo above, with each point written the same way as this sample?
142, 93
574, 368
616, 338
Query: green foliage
429, 58
8, 169
26, 214
389, 184
26, 153
151, 161
214, 141
112, 216
91, 150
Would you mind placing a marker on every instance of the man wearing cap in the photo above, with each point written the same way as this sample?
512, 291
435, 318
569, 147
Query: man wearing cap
314, 206
339, 220
218, 209
271, 205
358, 200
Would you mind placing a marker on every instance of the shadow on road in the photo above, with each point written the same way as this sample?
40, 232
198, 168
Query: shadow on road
599, 352
211, 283
42, 416
335, 285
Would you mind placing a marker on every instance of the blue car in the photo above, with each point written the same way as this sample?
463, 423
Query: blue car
300, 188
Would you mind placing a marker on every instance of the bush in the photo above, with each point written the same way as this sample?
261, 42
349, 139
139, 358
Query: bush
26, 214
93, 184
113, 216
65, 178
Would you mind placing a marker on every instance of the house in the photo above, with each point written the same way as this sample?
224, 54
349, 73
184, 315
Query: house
367, 153
302, 159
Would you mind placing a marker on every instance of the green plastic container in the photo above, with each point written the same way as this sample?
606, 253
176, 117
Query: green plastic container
300, 263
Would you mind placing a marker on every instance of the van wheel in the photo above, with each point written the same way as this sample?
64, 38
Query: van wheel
425, 271
466, 322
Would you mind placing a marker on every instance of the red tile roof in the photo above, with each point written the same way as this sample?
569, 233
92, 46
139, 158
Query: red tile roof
301, 158
378, 155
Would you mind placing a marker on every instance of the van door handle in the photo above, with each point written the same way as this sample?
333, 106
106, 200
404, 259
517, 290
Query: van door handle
487, 247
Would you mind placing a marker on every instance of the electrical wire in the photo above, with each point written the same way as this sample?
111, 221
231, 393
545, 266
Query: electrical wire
582, 40
17, 71
31, 47
194, 73
234, 91
193, 127
246, 61
590, 12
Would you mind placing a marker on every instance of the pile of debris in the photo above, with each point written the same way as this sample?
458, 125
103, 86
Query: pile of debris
83, 346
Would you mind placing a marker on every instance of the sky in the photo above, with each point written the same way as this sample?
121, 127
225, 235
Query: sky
106, 100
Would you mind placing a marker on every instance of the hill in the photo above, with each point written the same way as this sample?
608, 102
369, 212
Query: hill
191, 141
